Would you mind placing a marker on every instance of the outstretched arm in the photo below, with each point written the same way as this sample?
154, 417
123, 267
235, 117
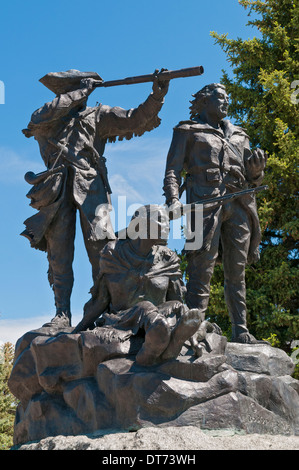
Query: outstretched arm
62, 104
95, 306
174, 167
118, 122
59, 107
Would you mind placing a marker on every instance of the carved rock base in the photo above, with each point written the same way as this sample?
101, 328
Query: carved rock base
73, 384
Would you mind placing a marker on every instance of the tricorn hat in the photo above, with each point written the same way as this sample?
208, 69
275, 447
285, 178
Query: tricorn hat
63, 82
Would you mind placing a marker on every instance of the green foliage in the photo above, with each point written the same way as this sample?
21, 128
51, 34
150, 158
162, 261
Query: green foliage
273, 340
7, 400
217, 311
295, 357
261, 87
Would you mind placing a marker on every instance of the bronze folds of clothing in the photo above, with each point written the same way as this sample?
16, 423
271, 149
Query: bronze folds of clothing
214, 163
72, 136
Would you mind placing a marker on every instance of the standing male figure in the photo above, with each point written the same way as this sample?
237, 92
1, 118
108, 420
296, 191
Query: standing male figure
217, 159
72, 139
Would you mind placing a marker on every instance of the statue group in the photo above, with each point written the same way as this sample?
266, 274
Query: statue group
144, 353
138, 284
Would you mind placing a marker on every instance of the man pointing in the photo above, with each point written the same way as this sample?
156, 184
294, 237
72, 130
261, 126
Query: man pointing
72, 138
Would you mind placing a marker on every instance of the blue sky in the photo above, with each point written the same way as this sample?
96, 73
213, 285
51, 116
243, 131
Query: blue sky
116, 39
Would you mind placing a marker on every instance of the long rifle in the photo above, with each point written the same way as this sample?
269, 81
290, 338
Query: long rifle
230, 196
165, 75
216, 201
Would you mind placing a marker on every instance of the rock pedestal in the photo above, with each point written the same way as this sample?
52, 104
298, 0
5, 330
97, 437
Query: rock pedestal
72, 384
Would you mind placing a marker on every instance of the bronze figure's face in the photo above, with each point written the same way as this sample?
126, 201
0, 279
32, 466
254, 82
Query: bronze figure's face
217, 103
152, 223
210, 104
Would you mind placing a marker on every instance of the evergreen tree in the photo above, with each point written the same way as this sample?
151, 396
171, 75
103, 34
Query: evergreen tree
264, 102
7, 400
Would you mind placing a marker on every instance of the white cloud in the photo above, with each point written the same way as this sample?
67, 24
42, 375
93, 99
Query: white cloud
13, 166
136, 171
12, 330
121, 187
138, 167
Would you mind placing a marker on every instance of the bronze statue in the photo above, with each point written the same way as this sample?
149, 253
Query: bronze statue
217, 160
140, 288
72, 138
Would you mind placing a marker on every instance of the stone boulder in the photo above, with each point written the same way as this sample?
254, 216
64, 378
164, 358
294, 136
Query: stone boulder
184, 438
73, 384
259, 358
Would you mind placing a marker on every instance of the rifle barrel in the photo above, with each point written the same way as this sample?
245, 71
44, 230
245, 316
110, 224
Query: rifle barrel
229, 196
166, 75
